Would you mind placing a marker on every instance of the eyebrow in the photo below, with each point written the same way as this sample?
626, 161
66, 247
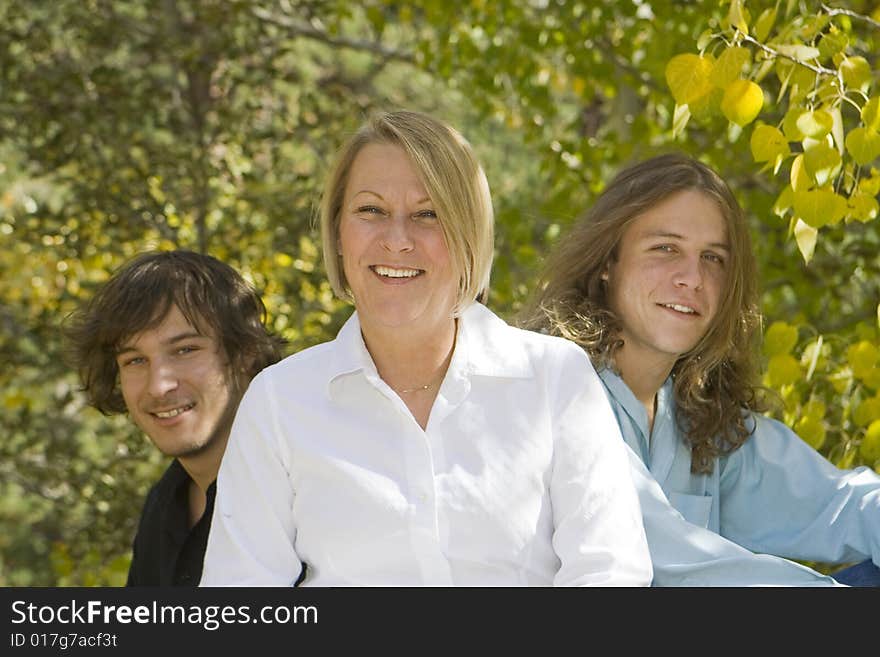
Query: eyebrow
426, 199
174, 339
668, 235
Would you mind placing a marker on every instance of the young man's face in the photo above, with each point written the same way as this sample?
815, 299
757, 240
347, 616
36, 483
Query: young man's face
177, 386
667, 282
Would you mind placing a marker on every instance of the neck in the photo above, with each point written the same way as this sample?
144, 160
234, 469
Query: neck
411, 359
204, 466
644, 376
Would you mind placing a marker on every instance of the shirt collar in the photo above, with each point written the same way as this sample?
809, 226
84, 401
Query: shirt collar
485, 346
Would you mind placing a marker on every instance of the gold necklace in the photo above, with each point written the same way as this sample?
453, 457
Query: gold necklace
424, 387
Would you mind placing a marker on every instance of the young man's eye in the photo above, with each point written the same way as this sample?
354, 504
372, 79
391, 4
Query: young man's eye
132, 360
188, 349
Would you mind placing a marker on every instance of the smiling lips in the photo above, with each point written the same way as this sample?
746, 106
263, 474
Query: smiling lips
394, 272
687, 310
174, 412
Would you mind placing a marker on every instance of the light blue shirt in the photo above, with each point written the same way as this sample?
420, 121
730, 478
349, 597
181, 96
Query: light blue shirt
774, 495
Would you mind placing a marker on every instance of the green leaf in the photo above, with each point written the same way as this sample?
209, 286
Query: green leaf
689, 77
768, 144
864, 145
822, 162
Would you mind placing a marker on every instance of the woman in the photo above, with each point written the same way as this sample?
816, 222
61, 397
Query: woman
657, 282
429, 443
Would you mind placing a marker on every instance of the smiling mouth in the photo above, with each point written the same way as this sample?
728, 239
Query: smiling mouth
393, 272
174, 412
687, 310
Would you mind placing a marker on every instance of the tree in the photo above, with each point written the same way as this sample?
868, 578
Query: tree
207, 124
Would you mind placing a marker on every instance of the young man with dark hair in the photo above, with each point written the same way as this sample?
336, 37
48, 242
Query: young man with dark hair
173, 339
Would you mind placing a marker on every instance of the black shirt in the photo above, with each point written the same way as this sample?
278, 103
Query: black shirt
166, 552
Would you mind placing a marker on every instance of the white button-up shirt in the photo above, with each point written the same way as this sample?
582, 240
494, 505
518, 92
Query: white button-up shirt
520, 477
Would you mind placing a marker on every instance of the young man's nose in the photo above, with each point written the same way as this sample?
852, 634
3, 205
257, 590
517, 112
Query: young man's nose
690, 273
163, 379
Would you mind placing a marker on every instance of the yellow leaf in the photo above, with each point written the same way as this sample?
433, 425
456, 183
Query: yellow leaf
789, 124
862, 358
819, 207
764, 24
730, 65
871, 114
680, 117
815, 408
689, 77
782, 369
863, 207
738, 16
800, 179
863, 145
815, 124
870, 447
742, 101
768, 143
780, 338
856, 72
811, 431
867, 411
805, 236
822, 163
783, 201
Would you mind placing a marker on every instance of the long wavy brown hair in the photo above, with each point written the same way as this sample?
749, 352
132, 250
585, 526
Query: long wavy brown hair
715, 383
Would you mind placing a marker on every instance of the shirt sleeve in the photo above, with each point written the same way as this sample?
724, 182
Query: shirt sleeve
779, 495
251, 542
598, 532
684, 554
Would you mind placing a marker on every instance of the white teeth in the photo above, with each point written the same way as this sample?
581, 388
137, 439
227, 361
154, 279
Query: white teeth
681, 309
396, 273
173, 413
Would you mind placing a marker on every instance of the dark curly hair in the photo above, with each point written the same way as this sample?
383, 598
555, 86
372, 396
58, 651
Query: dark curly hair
208, 292
716, 381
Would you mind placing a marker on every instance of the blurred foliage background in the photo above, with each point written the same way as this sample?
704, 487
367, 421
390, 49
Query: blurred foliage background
207, 124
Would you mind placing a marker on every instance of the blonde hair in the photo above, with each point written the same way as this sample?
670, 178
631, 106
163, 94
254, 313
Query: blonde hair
714, 382
454, 180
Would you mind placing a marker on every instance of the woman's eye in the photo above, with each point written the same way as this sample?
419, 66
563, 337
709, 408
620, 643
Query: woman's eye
714, 257
426, 214
369, 209
665, 248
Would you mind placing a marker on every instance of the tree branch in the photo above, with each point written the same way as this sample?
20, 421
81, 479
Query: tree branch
307, 31
834, 11
776, 53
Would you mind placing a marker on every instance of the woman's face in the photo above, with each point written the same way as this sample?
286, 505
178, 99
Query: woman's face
394, 254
